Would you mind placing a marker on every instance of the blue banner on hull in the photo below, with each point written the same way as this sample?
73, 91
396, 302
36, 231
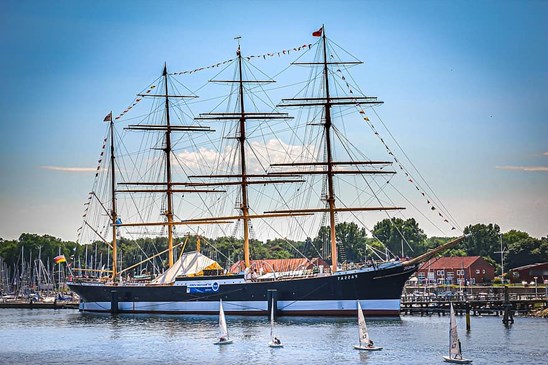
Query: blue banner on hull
201, 288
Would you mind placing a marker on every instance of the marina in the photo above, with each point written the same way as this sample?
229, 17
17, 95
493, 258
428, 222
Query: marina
253, 182
56, 337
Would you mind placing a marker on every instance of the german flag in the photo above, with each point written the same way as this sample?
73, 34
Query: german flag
59, 259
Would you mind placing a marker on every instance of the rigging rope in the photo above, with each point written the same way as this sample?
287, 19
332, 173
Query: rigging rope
407, 173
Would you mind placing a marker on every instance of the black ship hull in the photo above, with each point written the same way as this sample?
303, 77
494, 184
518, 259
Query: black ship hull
378, 290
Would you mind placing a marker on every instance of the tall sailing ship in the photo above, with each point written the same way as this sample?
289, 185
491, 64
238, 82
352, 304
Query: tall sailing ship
193, 175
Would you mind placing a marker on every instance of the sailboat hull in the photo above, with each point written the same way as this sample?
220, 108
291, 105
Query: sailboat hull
367, 348
379, 291
456, 361
227, 342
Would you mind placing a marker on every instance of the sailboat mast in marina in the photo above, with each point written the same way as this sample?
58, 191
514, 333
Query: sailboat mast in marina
312, 177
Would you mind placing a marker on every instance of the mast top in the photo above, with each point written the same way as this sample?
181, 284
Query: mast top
238, 53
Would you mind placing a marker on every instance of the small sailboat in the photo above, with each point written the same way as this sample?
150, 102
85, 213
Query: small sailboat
224, 338
455, 354
366, 343
274, 341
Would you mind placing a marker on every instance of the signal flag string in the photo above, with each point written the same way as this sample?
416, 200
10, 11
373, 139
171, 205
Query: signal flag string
410, 178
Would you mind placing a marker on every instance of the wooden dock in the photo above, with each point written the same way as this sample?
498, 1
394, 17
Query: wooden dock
477, 307
26, 304
478, 300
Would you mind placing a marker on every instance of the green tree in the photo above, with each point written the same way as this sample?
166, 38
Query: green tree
395, 232
230, 250
484, 240
319, 242
9, 251
280, 248
351, 243
511, 239
433, 242
527, 251
513, 236
352, 240
311, 248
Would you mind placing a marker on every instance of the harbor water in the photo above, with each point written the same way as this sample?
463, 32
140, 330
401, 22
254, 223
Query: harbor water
67, 336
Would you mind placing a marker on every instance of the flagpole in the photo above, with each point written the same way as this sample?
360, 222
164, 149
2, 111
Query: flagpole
59, 273
69, 269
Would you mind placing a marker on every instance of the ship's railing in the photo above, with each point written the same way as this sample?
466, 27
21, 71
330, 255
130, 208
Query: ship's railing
288, 275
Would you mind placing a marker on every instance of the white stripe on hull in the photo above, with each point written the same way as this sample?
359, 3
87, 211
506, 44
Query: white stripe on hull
380, 305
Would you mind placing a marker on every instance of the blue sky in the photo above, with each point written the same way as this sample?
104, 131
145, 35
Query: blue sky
464, 85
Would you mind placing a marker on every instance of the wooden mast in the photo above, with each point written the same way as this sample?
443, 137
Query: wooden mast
169, 193
327, 102
243, 179
168, 184
330, 188
113, 214
244, 205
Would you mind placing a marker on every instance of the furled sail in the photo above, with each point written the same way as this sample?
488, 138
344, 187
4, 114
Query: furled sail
189, 264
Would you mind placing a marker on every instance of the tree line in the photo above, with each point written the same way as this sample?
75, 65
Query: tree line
354, 245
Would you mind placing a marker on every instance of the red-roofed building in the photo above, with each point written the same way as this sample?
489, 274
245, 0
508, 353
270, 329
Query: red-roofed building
528, 273
280, 265
456, 270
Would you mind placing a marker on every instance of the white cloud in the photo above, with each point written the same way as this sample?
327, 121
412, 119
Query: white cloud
524, 168
273, 151
545, 153
69, 169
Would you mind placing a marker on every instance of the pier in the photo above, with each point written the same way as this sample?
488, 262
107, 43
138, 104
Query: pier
477, 307
26, 304
477, 300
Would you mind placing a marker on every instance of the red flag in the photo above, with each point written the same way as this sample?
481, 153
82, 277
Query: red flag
318, 33
108, 118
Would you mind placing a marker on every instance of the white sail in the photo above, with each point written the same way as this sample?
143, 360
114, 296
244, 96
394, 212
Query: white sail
454, 348
362, 327
223, 329
272, 322
455, 353
274, 341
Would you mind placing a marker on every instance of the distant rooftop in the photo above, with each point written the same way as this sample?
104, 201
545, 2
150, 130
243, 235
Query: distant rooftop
456, 262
